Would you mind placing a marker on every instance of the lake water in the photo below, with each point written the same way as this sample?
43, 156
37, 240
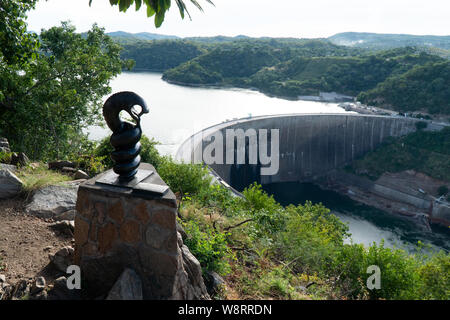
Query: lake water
177, 112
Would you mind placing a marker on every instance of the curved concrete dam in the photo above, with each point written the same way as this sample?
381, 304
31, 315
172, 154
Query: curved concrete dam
285, 148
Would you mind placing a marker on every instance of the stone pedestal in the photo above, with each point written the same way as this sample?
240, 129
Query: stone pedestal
118, 228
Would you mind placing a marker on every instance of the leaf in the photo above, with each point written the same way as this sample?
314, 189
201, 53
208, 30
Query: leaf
150, 11
159, 18
138, 4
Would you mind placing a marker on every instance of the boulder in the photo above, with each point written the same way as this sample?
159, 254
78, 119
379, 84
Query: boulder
80, 174
67, 215
10, 185
65, 227
10, 167
58, 165
194, 285
4, 145
214, 283
51, 201
127, 287
19, 159
60, 291
38, 285
62, 259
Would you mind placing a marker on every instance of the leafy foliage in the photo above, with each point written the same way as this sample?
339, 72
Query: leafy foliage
160, 55
423, 151
50, 101
405, 79
155, 8
16, 45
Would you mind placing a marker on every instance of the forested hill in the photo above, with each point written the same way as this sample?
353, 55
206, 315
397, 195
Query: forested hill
404, 79
389, 41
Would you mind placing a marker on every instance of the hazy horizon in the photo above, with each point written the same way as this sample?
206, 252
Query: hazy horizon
256, 18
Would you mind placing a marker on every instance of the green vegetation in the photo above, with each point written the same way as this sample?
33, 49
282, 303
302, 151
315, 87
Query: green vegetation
155, 8
38, 177
50, 98
423, 151
389, 41
424, 87
405, 79
160, 55
267, 251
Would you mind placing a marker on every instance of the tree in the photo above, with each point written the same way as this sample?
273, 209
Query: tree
157, 8
16, 45
53, 98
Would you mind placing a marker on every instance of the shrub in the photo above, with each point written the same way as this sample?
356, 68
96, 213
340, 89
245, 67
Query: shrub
312, 237
208, 246
185, 178
399, 279
435, 276
5, 157
148, 154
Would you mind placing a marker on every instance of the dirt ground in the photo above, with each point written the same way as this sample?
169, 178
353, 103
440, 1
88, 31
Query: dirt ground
25, 243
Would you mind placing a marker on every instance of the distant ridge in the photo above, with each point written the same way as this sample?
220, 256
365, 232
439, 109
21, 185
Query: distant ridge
140, 35
387, 41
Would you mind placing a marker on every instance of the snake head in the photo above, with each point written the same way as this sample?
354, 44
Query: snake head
137, 115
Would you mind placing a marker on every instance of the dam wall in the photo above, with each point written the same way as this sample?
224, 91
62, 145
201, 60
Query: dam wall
309, 145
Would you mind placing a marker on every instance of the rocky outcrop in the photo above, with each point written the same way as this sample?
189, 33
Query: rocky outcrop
4, 145
127, 287
53, 201
62, 258
10, 184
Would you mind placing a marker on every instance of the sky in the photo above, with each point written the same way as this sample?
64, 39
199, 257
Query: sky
256, 18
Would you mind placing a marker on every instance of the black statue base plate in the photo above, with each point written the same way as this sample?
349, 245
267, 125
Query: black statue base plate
111, 178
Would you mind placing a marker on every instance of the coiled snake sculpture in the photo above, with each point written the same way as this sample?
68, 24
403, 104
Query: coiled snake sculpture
126, 135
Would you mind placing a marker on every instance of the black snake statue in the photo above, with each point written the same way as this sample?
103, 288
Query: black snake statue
126, 135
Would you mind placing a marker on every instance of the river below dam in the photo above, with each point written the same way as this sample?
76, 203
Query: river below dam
177, 112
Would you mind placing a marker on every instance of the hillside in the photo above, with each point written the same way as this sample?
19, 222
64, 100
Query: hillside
126, 37
404, 79
387, 41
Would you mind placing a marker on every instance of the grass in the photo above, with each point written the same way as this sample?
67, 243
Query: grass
34, 178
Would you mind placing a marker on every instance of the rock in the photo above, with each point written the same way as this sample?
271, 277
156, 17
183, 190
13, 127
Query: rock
68, 215
2, 278
195, 286
38, 285
65, 227
80, 174
42, 295
60, 291
181, 231
214, 283
20, 159
4, 145
127, 287
58, 165
62, 259
51, 201
10, 185
3, 149
34, 165
20, 290
10, 167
